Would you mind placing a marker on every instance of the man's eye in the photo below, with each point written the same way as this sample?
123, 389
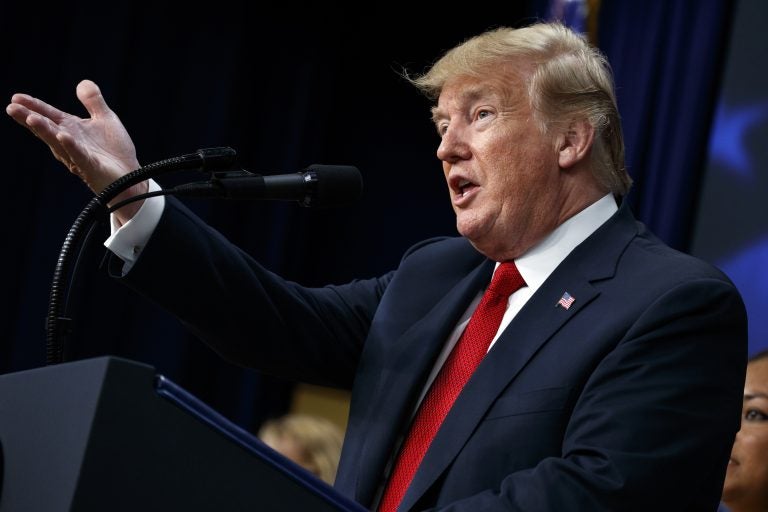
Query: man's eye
755, 415
483, 113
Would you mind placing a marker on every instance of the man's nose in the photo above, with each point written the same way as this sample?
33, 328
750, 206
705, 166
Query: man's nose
453, 145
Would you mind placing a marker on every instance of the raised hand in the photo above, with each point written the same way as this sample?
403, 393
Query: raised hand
97, 149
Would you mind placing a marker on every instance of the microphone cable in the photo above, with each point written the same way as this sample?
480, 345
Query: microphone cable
57, 325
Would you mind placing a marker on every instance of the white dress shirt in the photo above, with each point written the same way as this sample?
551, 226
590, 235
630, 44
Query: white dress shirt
128, 240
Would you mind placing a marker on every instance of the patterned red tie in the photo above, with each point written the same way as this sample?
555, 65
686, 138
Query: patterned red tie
461, 363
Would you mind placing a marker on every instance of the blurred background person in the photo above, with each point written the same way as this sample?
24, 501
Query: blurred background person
312, 442
746, 480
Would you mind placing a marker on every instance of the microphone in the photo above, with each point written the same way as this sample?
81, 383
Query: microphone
317, 186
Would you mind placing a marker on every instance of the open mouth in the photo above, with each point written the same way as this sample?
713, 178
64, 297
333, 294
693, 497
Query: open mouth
465, 186
462, 186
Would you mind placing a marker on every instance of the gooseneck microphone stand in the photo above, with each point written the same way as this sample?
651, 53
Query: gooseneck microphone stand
58, 326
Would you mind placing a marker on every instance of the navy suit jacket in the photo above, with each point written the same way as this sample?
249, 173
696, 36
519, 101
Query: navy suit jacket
628, 400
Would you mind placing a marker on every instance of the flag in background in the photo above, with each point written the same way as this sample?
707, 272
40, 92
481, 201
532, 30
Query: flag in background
579, 15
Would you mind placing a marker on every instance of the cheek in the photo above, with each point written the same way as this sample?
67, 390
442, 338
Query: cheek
753, 449
525, 183
519, 166
758, 454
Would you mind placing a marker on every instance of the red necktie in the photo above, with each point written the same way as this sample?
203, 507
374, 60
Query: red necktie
458, 368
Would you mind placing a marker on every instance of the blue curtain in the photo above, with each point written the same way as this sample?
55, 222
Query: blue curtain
667, 59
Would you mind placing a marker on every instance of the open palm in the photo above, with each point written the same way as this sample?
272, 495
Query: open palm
98, 149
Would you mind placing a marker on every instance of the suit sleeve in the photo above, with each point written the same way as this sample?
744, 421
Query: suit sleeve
249, 315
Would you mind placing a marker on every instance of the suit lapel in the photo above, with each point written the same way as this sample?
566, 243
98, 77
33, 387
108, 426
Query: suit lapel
533, 326
409, 361
539, 319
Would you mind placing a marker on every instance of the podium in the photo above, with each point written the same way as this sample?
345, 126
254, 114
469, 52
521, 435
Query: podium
110, 434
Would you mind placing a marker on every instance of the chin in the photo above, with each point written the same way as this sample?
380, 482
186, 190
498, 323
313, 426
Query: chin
730, 486
469, 235
484, 241
489, 251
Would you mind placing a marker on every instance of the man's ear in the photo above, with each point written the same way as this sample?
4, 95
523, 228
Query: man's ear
575, 143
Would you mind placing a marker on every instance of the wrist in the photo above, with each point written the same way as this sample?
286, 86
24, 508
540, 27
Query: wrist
128, 211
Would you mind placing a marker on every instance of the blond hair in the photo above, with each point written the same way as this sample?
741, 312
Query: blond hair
311, 441
566, 78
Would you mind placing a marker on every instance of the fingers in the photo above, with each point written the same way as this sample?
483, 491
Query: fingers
18, 113
38, 116
90, 96
43, 128
35, 105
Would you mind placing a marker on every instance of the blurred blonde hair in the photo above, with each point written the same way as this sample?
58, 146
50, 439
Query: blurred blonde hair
566, 78
311, 441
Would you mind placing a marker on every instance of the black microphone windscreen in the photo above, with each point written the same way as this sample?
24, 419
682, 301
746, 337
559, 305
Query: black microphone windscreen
337, 185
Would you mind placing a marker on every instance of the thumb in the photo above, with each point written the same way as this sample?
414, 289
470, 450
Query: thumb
90, 96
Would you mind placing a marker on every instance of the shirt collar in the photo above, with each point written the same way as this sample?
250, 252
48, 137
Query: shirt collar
541, 260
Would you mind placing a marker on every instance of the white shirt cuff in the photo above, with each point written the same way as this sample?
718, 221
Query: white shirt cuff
127, 241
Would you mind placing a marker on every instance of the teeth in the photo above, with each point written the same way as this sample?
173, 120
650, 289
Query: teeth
462, 184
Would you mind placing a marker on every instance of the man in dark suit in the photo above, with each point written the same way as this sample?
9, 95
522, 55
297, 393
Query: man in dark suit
610, 378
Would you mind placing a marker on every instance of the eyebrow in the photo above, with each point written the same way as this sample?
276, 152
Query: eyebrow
752, 396
468, 95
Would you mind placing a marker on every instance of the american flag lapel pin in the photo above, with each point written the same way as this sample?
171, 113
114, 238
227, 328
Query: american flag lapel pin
566, 300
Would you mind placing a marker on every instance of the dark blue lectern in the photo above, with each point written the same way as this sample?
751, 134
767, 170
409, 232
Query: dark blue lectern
109, 434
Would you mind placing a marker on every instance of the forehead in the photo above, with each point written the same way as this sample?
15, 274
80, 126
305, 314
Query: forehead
757, 377
464, 90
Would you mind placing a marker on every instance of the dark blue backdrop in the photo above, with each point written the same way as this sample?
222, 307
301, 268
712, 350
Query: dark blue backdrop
732, 225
